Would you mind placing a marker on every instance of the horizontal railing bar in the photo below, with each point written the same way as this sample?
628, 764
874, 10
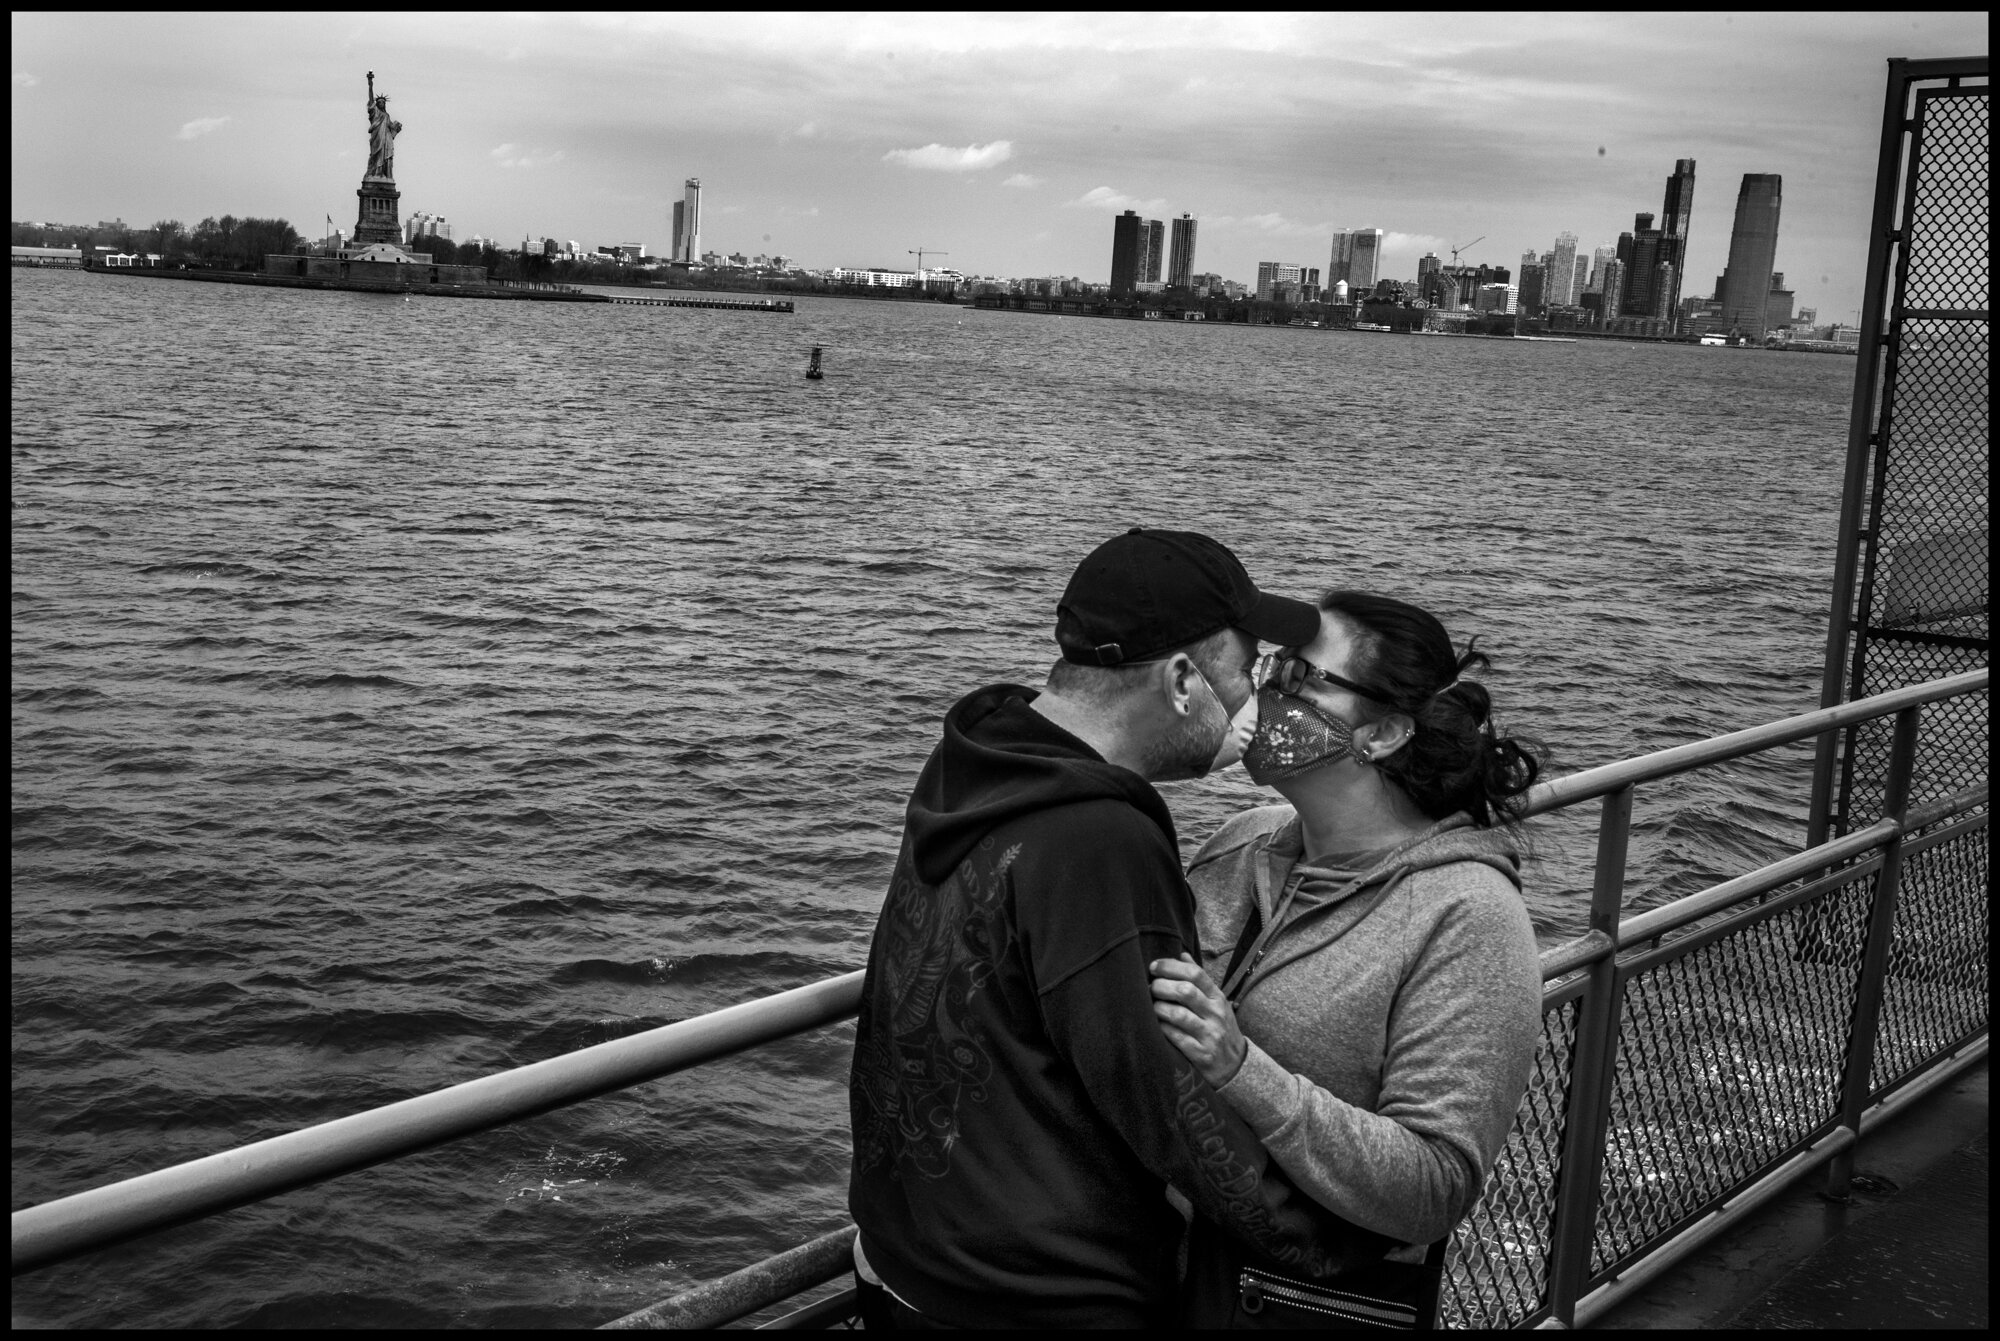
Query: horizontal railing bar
1930, 812
106, 1215
1608, 778
1912, 846
741, 1293
1557, 995
1942, 1070
837, 1308
1572, 955
1658, 921
1922, 69
1639, 961
1917, 637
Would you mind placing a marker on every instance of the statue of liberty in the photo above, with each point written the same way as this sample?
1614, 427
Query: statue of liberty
382, 133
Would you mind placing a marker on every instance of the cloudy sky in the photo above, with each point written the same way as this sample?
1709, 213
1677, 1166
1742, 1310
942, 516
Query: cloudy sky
1008, 142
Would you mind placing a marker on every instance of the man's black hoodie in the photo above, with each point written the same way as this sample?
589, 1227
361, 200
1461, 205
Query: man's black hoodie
1016, 1109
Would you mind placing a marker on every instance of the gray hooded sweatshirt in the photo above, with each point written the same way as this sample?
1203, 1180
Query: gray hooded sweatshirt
1392, 1022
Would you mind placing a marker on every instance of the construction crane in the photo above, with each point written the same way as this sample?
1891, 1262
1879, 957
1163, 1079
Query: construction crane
1467, 247
919, 253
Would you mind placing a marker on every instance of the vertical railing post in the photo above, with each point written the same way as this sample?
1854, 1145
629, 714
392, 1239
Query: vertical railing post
1591, 1065
1860, 1060
1851, 543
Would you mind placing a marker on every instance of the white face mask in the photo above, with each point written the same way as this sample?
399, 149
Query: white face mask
1236, 739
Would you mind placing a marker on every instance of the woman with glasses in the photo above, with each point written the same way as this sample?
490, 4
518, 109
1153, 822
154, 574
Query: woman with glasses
1370, 996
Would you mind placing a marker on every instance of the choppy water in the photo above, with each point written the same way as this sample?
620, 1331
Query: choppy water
403, 691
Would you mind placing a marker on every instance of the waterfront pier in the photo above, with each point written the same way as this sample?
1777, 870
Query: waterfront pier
756, 305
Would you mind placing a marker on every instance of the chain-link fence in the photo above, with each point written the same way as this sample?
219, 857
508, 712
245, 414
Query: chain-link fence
1910, 600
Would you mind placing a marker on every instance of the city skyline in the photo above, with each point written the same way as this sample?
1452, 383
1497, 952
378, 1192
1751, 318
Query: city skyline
847, 140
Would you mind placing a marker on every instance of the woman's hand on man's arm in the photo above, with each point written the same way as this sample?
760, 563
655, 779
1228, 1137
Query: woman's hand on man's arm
1197, 1018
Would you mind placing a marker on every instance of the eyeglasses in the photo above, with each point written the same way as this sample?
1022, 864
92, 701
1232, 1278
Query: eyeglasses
1288, 672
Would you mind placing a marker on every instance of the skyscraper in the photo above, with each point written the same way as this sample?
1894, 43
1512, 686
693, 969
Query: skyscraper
1272, 274
1679, 205
1778, 307
1675, 213
1156, 252
1126, 241
1180, 275
1341, 261
1614, 290
1595, 284
1357, 258
1428, 266
1753, 251
1531, 286
1559, 285
1640, 251
687, 223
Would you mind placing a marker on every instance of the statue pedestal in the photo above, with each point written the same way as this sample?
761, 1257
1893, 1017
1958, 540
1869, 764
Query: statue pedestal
379, 221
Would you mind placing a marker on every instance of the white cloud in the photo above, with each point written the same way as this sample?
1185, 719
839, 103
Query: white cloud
22, 79
940, 158
1272, 224
808, 130
1392, 241
514, 156
1023, 180
202, 125
1103, 197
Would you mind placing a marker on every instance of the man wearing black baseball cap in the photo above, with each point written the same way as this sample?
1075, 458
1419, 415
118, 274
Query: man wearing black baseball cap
1017, 1113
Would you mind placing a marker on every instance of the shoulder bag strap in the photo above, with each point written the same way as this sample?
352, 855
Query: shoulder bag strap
1245, 941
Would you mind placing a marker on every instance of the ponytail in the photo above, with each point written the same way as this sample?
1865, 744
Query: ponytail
1456, 758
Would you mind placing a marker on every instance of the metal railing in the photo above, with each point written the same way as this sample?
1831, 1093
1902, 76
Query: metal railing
1696, 1059
103, 1216
1699, 1057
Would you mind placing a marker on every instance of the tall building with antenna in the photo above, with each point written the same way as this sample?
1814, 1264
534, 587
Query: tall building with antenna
1675, 214
687, 223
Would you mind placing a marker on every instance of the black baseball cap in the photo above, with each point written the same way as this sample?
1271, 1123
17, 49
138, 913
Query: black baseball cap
1147, 592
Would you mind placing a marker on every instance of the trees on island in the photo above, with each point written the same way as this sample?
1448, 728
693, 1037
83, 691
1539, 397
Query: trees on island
227, 243
230, 243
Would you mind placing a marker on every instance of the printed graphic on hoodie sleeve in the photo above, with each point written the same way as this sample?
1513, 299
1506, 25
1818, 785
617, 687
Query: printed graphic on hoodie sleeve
936, 954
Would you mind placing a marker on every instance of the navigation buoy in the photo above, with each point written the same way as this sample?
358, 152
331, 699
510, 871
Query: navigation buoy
813, 374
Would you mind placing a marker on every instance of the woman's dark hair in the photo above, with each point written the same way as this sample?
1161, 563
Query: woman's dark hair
1456, 760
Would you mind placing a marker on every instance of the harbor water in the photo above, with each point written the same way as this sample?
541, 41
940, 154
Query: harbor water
405, 690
